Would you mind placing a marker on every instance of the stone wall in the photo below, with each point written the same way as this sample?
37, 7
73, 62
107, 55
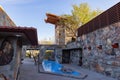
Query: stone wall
74, 57
60, 35
101, 50
11, 70
74, 54
5, 19
57, 52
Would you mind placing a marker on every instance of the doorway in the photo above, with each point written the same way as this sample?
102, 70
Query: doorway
72, 56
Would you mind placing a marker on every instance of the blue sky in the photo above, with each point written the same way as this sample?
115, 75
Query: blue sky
31, 13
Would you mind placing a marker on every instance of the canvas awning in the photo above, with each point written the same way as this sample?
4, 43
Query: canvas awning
28, 34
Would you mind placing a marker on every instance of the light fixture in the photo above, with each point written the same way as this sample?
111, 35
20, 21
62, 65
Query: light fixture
99, 47
115, 45
18, 35
89, 47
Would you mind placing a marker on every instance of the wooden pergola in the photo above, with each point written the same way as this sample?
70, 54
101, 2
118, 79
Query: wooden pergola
28, 34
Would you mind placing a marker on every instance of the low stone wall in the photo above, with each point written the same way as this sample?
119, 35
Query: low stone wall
101, 50
57, 52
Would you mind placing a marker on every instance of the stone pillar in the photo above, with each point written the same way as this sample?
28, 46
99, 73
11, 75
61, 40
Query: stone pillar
60, 35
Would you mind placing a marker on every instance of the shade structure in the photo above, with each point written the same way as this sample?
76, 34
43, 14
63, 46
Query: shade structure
28, 35
52, 18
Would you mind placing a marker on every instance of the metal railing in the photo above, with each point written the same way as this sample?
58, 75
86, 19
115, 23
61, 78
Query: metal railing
110, 16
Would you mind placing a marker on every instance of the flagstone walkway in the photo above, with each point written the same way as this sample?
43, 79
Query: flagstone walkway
29, 71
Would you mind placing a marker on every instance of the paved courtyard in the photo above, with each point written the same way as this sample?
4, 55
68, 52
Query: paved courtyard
29, 71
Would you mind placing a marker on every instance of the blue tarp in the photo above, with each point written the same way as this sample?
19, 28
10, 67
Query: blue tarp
52, 66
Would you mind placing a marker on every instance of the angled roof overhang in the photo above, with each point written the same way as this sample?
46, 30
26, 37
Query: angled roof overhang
51, 18
28, 35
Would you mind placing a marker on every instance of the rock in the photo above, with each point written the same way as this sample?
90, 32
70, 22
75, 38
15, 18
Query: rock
99, 68
108, 71
109, 62
115, 63
118, 58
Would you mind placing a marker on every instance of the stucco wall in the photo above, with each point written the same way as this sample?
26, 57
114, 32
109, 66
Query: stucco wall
105, 59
